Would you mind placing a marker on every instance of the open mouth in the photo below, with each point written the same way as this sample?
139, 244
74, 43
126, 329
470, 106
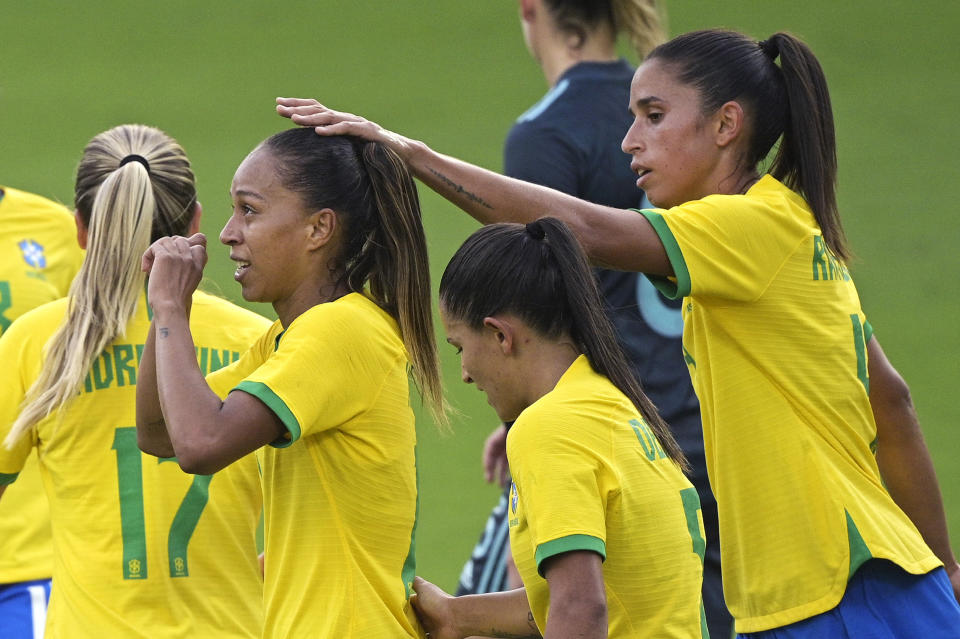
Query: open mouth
241, 269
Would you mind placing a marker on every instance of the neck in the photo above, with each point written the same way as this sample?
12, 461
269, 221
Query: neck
295, 305
544, 363
559, 51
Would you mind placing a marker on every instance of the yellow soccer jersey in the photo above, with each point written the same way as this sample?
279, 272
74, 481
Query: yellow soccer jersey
141, 549
775, 341
39, 256
589, 475
340, 493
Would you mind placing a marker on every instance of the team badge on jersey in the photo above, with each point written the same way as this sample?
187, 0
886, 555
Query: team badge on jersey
513, 498
33, 254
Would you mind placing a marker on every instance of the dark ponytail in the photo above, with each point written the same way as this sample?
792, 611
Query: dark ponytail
789, 102
384, 252
539, 273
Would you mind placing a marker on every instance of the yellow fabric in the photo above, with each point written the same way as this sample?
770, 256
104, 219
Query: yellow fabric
774, 337
26, 550
589, 475
340, 495
110, 579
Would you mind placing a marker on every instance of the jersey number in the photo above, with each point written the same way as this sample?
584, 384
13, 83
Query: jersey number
130, 476
5, 303
691, 504
860, 345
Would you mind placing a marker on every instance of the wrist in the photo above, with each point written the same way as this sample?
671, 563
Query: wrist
167, 310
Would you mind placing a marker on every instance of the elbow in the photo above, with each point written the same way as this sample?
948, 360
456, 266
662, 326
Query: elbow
198, 462
152, 445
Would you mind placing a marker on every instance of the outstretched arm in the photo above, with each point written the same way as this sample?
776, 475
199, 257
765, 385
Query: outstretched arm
612, 237
904, 460
498, 614
206, 433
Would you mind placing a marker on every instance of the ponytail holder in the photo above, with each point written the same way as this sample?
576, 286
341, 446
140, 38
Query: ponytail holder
769, 48
536, 229
133, 157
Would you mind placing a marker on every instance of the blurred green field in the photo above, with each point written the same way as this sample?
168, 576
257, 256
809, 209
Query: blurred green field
456, 74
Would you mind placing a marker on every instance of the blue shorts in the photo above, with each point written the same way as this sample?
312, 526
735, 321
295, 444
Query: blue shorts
23, 609
882, 601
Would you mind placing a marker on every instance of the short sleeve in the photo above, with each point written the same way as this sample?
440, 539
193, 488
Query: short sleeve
558, 483
728, 247
328, 367
15, 352
225, 379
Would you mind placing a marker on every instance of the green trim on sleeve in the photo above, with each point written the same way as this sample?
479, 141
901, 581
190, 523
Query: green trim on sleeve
6, 480
670, 289
566, 544
264, 393
867, 331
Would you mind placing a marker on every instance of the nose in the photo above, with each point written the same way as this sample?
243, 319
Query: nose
465, 376
631, 141
230, 235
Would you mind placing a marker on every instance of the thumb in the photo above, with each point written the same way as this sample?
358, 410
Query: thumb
197, 239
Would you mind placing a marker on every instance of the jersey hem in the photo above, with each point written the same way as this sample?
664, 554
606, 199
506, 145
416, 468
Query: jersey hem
826, 603
566, 544
266, 395
670, 289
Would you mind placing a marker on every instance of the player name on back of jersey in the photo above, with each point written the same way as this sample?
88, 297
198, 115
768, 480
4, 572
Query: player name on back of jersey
117, 365
825, 265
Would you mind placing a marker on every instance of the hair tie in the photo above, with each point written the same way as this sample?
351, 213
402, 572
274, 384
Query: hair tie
770, 48
536, 229
133, 157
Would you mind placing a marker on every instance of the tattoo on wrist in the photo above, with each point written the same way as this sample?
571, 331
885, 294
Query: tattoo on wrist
163, 331
457, 188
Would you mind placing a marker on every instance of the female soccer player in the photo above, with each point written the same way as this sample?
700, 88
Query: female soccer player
570, 141
139, 545
604, 527
795, 390
39, 260
328, 231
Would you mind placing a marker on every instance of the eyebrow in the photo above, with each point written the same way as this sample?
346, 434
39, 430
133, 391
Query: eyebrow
242, 193
647, 100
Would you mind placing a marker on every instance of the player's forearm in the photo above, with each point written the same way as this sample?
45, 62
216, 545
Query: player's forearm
908, 473
903, 457
611, 237
499, 614
152, 436
191, 410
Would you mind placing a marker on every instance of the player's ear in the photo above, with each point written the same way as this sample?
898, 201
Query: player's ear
81, 230
503, 331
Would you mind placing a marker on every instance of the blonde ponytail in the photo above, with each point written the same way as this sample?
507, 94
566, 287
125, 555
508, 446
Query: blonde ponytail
122, 205
643, 21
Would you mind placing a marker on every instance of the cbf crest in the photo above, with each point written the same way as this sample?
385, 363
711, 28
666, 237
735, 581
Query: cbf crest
514, 499
33, 253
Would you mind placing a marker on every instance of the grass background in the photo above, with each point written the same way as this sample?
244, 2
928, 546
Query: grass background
456, 74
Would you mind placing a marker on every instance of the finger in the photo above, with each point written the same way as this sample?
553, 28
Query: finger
341, 128
322, 118
294, 102
199, 256
146, 262
197, 239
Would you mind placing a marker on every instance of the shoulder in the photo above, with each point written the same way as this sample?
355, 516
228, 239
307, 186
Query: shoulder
350, 324
221, 317
35, 327
581, 402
